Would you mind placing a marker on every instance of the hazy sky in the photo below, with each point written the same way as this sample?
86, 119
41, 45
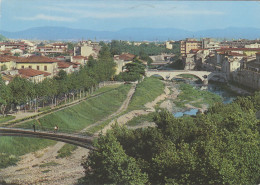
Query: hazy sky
114, 15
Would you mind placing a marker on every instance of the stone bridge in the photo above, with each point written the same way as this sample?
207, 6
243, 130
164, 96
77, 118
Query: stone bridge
204, 76
75, 139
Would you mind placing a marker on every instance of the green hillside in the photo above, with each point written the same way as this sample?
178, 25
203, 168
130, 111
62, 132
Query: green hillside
72, 118
2, 38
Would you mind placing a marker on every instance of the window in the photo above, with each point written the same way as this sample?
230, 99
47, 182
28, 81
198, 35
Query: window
30, 67
45, 68
38, 67
22, 67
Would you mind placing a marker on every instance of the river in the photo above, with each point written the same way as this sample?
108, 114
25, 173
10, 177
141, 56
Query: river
216, 88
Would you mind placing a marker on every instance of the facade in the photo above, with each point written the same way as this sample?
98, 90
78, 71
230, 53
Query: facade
168, 45
8, 63
122, 60
79, 59
53, 48
189, 44
66, 66
33, 75
87, 48
40, 63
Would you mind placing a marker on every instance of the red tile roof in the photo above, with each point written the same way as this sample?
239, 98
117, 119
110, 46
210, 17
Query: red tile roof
5, 58
126, 57
238, 49
37, 59
28, 72
64, 64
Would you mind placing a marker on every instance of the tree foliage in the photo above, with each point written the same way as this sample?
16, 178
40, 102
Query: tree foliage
221, 146
133, 71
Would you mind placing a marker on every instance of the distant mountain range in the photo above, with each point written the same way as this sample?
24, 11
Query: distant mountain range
132, 34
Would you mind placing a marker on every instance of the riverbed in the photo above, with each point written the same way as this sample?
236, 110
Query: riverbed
216, 88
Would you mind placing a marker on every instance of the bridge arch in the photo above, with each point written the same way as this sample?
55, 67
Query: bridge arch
204, 76
158, 76
82, 141
220, 75
199, 77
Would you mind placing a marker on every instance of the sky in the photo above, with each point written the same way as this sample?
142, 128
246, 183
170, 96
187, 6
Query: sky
114, 15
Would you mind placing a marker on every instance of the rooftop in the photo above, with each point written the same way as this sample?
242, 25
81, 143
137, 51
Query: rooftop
37, 59
28, 72
126, 57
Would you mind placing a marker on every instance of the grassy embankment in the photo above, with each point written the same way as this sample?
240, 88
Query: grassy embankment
6, 118
145, 92
191, 95
73, 118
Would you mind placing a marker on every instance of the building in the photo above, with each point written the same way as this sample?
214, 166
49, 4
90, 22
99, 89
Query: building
255, 45
33, 75
40, 63
55, 48
79, 59
232, 62
87, 48
187, 45
168, 44
122, 60
8, 62
66, 66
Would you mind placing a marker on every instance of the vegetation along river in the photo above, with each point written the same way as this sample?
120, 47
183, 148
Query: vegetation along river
218, 89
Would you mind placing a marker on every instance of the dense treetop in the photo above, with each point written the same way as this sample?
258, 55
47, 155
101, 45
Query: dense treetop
219, 147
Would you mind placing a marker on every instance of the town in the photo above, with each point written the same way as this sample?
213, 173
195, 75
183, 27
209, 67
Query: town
238, 60
73, 92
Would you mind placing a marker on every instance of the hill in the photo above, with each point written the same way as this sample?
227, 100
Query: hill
136, 34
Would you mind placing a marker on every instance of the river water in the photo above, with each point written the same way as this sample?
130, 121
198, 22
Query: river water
216, 88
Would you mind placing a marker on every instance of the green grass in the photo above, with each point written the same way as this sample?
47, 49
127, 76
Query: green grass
6, 118
195, 97
84, 114
66, 151
146, 92
106, 88
13, 147
140, 119
73, 118
44, 109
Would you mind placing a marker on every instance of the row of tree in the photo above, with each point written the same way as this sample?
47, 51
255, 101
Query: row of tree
23, 92
148, 49
219, 147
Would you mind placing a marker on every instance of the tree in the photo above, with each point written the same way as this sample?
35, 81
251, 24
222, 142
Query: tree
5, 96
21, 90
109, 164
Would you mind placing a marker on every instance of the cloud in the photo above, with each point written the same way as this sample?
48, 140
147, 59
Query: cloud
47, 18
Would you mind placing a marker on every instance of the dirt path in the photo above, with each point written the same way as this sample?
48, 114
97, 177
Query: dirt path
130, 115
65, 171
120, 110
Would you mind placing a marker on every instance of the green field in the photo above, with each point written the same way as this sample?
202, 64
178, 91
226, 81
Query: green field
69, 119
146, 92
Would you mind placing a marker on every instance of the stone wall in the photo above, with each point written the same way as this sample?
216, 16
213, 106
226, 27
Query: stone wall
107, 83
247, 78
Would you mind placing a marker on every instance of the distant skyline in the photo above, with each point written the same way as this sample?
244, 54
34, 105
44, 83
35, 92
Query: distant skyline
17, 15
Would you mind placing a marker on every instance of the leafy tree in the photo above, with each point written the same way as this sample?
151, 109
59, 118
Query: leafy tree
21, 90
5, 96
109, 164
